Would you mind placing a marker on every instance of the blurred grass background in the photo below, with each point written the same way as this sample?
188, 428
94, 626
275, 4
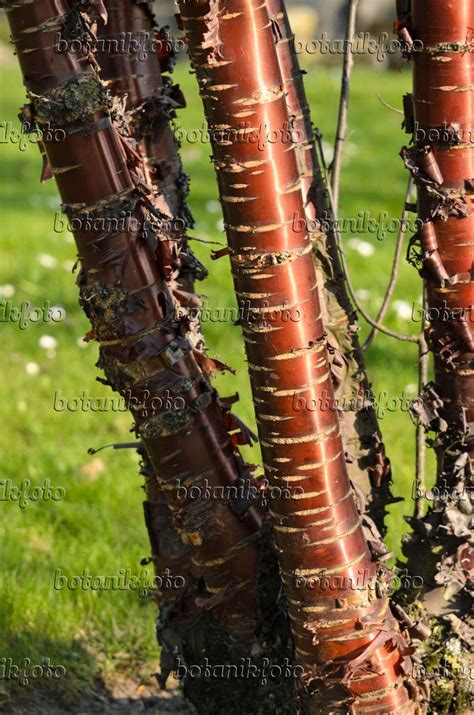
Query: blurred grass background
99, 524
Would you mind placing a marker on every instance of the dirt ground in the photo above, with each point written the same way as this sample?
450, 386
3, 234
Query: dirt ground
123, 697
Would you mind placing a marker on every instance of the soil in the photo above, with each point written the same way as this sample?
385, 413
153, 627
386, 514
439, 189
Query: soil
122, 697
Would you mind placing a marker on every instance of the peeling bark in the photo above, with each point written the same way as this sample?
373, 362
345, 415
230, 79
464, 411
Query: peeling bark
441, 117
145, 350
143, 108
179, 612
346, 638
148, 102
367, 464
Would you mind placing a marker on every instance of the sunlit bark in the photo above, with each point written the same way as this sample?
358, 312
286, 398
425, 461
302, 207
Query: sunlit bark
440, 115
345, 636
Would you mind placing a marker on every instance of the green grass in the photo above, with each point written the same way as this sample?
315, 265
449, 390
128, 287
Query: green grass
99, 524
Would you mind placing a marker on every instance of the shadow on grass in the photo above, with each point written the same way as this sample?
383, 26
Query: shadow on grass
66, 681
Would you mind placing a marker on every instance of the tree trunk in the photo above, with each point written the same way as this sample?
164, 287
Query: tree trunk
149, 102
367, 465
345, 638
146, 106
145, 350
178, 609
441, 117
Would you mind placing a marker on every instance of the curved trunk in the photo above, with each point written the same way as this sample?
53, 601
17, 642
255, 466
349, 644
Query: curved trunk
145, 349
440, 115
148, 352
148, 103
345, 637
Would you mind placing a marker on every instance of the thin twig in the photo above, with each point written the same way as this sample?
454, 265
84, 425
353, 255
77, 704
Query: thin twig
395, 267
344, 101
381, 328
319, 143
389, 106
420, 430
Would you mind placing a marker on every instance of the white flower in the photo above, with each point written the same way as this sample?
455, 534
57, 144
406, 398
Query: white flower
7, 290
80, 342
47, 342
35, 199
32, 368
53, 202
402, 309
213, 207
362, 247
362, 294
47, 261
220, 225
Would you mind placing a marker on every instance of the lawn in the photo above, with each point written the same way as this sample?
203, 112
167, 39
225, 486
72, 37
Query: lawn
98, 525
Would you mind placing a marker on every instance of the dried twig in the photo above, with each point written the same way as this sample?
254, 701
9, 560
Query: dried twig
344, 102
395, 267
381, 328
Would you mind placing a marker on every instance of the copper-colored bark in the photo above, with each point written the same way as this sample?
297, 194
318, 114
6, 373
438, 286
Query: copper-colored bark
346, 638
150, 101
368, 466
134, 78
441, 114
143, 348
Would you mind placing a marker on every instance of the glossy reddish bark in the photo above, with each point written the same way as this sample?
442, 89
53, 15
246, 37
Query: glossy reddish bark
440, 114
369, 468
144, 350
150, 101
442, 97
345, 638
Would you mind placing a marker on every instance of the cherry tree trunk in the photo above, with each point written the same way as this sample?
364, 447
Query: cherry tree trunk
440, 116
148, 104
345, 637
368, 467
145, 350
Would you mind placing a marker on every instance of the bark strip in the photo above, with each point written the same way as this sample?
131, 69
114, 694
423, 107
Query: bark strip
345, 637
440, 116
